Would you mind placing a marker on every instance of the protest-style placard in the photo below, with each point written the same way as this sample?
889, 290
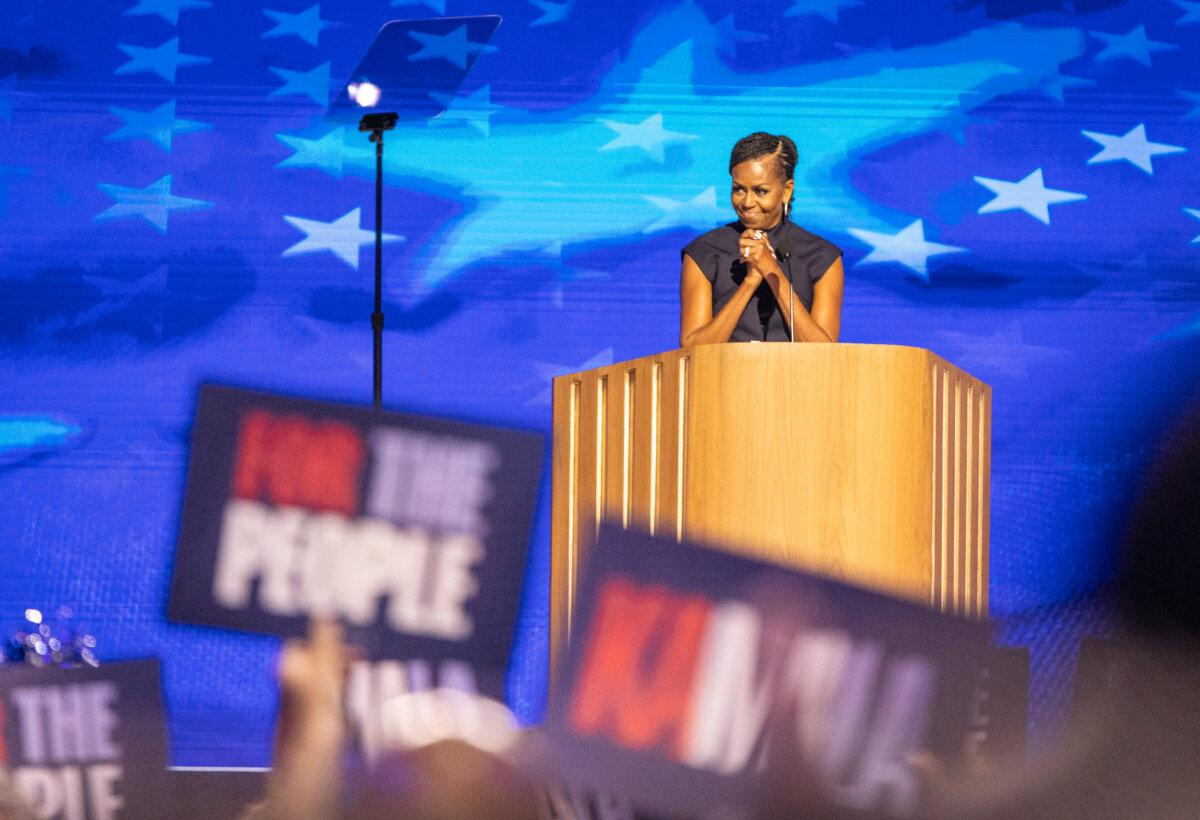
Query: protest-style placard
695, 676
412, 530
88, 743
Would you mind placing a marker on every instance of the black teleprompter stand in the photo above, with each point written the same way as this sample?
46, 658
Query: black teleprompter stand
376, 124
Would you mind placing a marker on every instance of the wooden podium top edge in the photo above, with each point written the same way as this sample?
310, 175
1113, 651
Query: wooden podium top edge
745, 348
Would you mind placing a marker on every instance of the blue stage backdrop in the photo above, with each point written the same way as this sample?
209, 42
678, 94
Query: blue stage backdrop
1015, 183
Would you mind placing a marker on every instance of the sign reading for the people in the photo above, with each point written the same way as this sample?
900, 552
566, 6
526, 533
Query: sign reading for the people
695, 675
412, 530
85, 744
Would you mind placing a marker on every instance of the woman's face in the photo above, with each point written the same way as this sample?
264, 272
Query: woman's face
759, 193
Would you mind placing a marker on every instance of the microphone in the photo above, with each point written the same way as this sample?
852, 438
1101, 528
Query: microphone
783, 253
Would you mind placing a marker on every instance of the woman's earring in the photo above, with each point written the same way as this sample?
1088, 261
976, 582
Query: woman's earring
786, 208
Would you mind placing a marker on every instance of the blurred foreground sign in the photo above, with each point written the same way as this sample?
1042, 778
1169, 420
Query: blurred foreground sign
704, 684
412, 530
85, 744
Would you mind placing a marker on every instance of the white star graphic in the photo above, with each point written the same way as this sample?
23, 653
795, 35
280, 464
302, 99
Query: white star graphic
313, 83
342, 237
1133, 44
307, 25
164, 60
153, 203
1002, 353
1132, 147
475, 110
1191, 14
908, 247
1029, 195
701, 211
649, 135
1194, 212
454, 47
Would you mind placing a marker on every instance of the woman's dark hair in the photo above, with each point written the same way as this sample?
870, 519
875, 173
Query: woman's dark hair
762, 144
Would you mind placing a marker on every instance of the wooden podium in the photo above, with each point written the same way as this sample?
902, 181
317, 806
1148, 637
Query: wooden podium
864, 463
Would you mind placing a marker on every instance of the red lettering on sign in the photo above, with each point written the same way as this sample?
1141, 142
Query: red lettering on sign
295, 462
638, 672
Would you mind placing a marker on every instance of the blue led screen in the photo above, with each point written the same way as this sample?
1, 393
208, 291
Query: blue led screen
1015, 184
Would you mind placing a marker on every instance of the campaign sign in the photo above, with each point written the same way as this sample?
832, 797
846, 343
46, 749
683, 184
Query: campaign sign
413, 531
85, 744
696, 676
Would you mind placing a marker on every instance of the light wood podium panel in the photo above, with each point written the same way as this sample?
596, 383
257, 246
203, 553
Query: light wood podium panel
863, 463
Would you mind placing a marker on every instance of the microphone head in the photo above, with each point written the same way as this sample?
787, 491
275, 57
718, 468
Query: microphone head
783, 251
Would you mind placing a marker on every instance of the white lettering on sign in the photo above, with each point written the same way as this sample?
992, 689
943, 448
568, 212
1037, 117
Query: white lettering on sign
71, 792
435, 482
67, 724
307, 562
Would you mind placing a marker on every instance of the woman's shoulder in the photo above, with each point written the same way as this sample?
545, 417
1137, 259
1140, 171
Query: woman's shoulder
724, 238
806, 241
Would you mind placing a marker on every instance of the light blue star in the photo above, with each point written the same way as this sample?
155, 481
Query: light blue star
1132, 147
153, 203
163, 60
1002, 353
475, 110
157, 125
1195, 213
313, 83
166, 9
329, 153
342, 237
307, 25
1132, 44
829, 9
729, 35
1194, 99
649, 135
437, 5
1029, 195
454, 47
1056, 84
552, 12
907, 247
701, 211
1191, 14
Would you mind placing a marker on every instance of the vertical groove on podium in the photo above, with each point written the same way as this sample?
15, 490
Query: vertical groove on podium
601, 417
573, 474
629, 409
983, 501
946, 502
935, 501
655, 432
955, 513
971, 471
963, 494
681, 445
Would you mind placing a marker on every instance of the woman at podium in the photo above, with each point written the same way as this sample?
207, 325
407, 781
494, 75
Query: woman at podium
761, 278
